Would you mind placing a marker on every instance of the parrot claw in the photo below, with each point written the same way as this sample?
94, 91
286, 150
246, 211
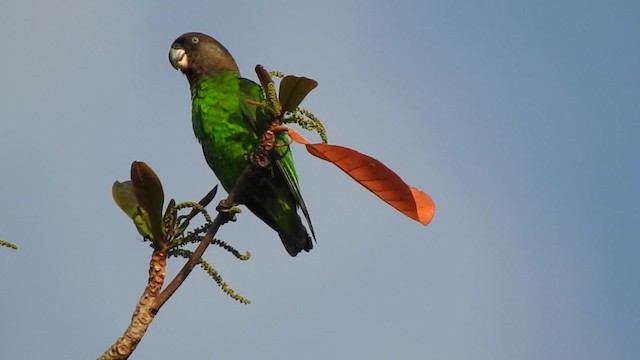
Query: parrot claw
225, 208
280, 129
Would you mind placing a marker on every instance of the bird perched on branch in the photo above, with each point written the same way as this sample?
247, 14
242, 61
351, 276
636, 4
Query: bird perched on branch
229, 128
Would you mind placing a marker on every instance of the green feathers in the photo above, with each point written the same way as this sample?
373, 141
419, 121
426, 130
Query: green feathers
228, 128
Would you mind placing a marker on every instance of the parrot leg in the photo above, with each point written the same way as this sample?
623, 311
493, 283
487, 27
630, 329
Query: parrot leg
230, 210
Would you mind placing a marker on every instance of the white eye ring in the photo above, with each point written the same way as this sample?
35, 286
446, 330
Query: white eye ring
195, 40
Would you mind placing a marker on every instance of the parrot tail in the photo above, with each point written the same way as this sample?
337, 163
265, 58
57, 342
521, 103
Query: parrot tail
298, 240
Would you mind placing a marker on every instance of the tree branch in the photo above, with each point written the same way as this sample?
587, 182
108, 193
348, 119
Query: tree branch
144, 312
152, 298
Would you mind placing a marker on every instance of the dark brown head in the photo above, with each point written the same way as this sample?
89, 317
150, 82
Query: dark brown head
197, 54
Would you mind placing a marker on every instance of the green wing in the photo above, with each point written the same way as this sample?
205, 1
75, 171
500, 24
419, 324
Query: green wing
282, 157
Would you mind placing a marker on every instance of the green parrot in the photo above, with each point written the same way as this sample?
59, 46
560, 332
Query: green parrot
228, 128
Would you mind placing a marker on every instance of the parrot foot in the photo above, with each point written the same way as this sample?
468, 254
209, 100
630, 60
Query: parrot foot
279, 129
224, 206
230, 210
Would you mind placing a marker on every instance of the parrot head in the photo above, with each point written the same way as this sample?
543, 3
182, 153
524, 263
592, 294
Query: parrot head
195, 54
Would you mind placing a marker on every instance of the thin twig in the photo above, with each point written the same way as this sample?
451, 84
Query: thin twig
220, 220
192, 262
203, 202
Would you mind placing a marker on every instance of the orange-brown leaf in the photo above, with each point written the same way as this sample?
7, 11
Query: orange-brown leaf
379, 179
375, 176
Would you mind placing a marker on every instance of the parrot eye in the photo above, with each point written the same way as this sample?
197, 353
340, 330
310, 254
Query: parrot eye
195, 40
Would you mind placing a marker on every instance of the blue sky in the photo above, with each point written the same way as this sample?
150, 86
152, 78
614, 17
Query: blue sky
519, 118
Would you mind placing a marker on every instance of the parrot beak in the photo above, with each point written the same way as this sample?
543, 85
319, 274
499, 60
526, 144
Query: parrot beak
178, 59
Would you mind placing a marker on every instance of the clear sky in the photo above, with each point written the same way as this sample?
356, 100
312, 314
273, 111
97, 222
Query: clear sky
519, 118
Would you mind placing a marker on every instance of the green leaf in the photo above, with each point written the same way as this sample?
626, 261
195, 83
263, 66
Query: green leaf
150, 196
123, 196
293, 90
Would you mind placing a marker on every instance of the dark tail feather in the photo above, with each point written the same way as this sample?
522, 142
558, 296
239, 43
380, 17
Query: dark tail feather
298, 240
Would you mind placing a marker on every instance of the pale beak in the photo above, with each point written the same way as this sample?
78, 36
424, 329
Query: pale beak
178, 59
